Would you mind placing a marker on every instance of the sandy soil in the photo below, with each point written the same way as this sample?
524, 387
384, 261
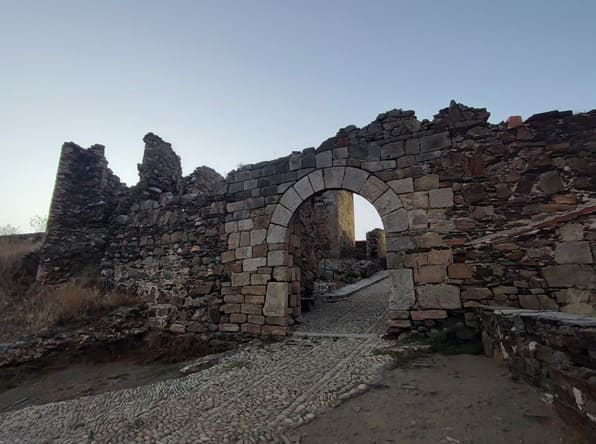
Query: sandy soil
451, 400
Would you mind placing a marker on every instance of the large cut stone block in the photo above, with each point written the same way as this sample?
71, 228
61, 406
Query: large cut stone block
396, 221
324, 159
316, 180
441, 198
573, 253
401, 296
568, 275
276, 300
281, 216
291, 200
373, 188
334, 177
402, 185
276, 234
438, 296
417, 219
354, 179
387, 203
304, 188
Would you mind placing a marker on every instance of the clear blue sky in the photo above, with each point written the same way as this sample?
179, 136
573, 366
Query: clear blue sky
239, 82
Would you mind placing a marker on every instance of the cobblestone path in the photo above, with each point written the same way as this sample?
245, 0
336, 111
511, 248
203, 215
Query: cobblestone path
252, 395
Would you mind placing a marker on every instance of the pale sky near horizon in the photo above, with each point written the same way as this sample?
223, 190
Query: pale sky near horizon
237, 82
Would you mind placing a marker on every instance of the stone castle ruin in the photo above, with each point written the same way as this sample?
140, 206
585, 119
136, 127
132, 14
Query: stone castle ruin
473, 214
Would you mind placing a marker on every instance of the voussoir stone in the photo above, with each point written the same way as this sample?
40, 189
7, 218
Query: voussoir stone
373, 188
334, 177
387, 203
304, 188
354, 179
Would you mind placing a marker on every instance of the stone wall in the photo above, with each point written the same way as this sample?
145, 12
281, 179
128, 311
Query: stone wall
554, 351
473, 213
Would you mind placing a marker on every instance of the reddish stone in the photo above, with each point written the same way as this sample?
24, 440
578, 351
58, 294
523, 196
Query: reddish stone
514, 122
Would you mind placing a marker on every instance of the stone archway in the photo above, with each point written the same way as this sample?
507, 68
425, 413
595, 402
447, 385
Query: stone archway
382, 196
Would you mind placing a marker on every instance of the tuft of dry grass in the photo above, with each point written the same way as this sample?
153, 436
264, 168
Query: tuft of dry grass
25, 309
71, 302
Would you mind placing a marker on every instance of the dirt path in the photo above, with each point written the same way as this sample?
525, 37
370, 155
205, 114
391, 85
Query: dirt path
457, 399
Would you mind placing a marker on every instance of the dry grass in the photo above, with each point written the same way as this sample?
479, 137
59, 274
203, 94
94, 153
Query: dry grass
25, 309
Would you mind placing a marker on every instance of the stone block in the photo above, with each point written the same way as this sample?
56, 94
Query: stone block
401, 186
572, 232
440, 296
256, 319
477, 293
430, 274
276, 234
340, 153
401, 290
291, 199
228, 256
276, 300
577, 252
441, 198
399, 314
238, 318
243, 252
255, 290
412, 146
256, 299
460, 271
435, 142
316, 180
275, 258
373, 188
281, 274
253, 264
233, 298
399, 323
251, 329
395, 221
387, 203
378, 165
354, 179
574, 296
231, 227
240, 279
281, 216
333, 177
233, 240
230, 308
228, 327
429, 240
304, 188
395, 244
425, 183
257, 237
392, 150
568, 275
416, 200
245, 225
537, 302
254, 309
274, 330
440, 257
417, 220
259, 278
422, 315
550, 183
276, 320
324, 159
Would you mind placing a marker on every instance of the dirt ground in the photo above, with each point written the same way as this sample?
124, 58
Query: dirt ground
443, 399
75, 380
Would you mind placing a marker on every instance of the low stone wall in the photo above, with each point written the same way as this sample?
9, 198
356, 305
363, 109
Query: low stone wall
552, 350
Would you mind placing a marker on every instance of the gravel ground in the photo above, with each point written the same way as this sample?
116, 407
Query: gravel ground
253, 395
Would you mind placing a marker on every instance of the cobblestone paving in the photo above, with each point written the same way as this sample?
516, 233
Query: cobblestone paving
253, 395
364, 312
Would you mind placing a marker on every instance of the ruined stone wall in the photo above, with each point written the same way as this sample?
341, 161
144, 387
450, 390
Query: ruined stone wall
85, 196
473, 213
376, 244
554, 351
